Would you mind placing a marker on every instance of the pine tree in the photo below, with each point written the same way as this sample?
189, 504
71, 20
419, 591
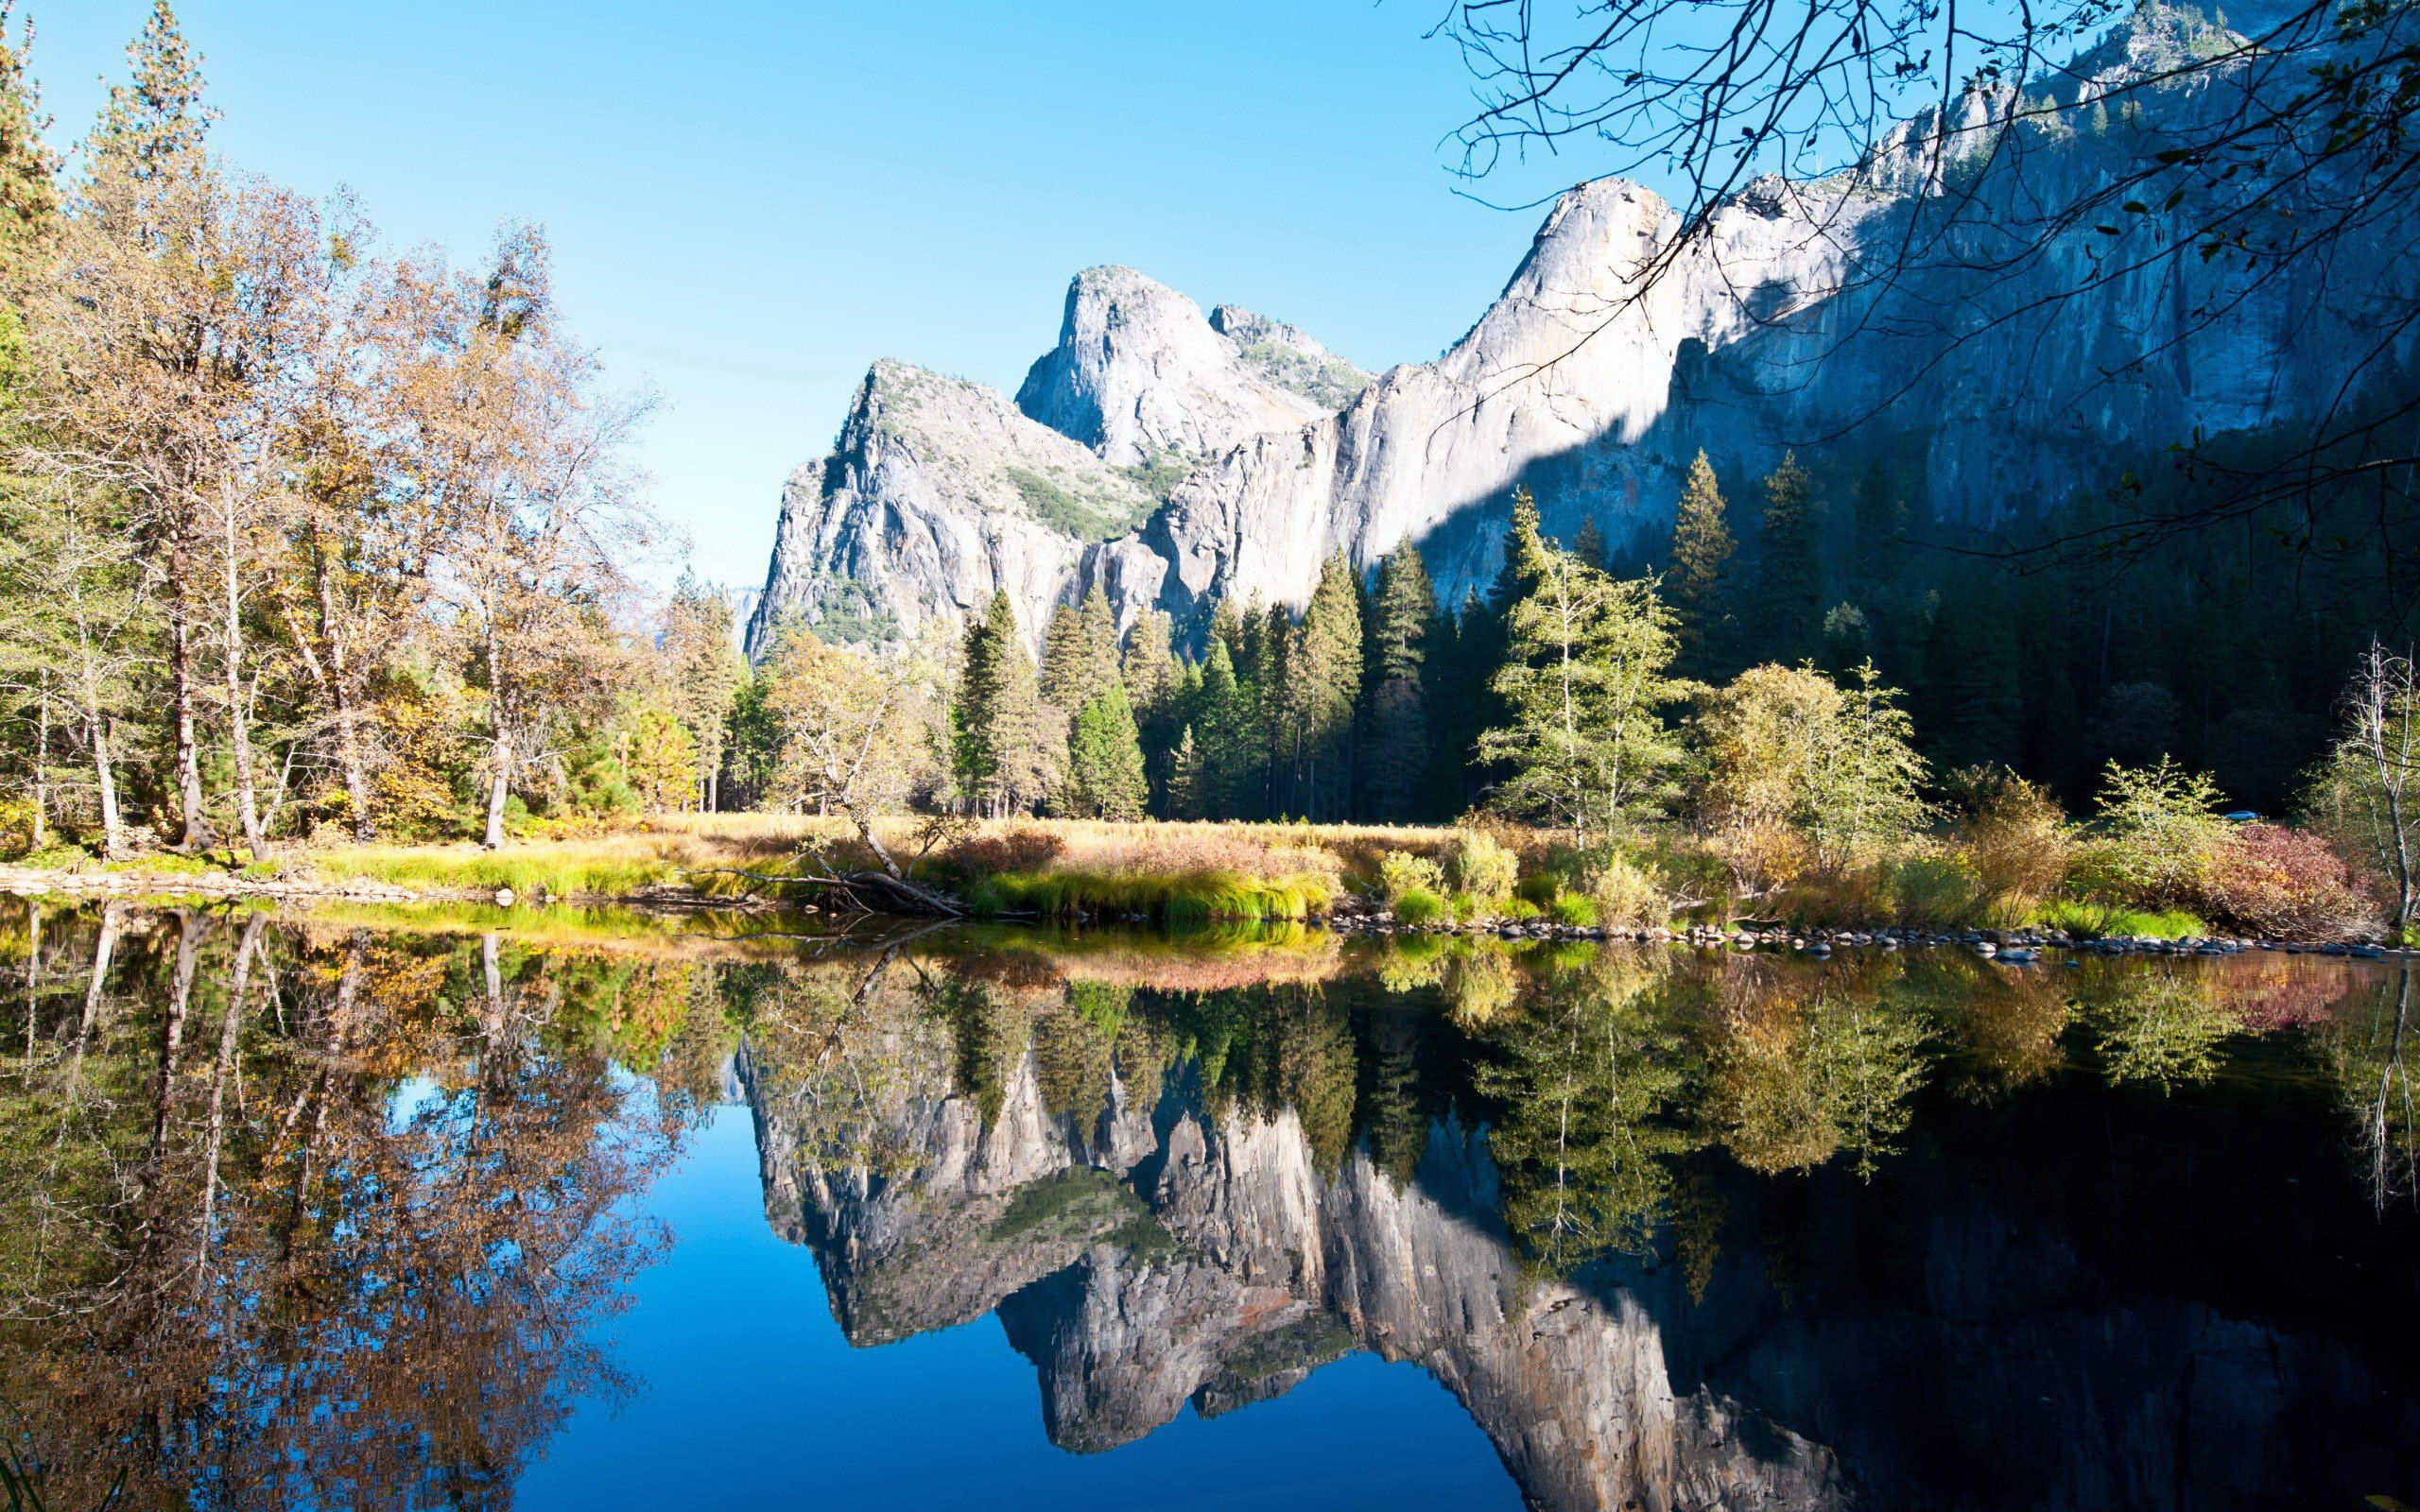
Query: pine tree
1524, 558
1584, 683
1105, 759
1697, 586
1149, 666
700, 649
153, 126
1154, 679
28, 170
1066, 661
1187, 782
1589, 544
1100, 643
1223, 721
1790, 567
1002, 751
1395, 748
1878, 554
1466, 701
1323, 666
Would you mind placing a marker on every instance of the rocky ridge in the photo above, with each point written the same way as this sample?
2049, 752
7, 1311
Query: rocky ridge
1997, 367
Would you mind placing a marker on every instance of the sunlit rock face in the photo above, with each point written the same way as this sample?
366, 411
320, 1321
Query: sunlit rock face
1926, 317
1141, 377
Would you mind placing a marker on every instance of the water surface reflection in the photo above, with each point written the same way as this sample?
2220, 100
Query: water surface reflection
333, 1213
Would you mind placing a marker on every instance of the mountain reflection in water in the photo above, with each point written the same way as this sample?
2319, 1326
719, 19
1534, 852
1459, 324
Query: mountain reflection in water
323, 1211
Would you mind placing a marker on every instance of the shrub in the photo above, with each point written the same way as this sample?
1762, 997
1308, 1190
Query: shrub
1944, 891
1519, 908
1024, 848
1485, 868
1419, 906
2016, 841
1401, 872
1627, 894
16, 828
2160, 836
2285, 885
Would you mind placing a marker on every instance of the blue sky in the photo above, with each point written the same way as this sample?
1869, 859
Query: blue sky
750, 202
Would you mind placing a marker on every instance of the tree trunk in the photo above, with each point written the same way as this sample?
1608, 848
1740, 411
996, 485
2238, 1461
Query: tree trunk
41, 766
172, 1030
356, 769
230, 1031
104, 779
340, 694
499, 785
239, 721
104, 950
190, 801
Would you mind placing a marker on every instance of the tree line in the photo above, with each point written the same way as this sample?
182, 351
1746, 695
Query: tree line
303, 536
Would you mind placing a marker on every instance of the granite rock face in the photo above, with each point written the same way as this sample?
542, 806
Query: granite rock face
1920, 311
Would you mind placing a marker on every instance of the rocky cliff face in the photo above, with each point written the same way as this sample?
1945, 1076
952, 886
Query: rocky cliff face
1923, 313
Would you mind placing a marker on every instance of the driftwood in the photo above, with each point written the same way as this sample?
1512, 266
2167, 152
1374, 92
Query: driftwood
867, 893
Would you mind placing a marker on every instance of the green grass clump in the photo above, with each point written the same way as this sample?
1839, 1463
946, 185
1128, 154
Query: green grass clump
984, 900
1419, 907
1572, 909
2094, 920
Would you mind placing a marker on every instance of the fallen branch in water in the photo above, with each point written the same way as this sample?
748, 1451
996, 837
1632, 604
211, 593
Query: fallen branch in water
868, 892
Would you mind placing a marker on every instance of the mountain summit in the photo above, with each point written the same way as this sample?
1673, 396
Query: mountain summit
1923, 314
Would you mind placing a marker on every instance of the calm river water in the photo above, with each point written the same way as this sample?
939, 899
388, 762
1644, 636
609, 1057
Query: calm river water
552, 1210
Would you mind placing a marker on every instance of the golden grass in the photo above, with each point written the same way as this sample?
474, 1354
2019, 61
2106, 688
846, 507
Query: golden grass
1059, 868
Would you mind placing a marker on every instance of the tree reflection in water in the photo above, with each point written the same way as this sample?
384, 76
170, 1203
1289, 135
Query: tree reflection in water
298, 1216
304, 1213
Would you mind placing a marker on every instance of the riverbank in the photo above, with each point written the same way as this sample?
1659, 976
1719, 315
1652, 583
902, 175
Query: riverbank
1499, 880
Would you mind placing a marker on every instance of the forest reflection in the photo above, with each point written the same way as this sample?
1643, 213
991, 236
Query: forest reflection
313, 1211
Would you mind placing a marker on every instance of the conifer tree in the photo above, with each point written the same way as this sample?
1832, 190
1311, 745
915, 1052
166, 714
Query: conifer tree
1589, 544
1323, 670
1105, 759
701, 648
1100, 643
158, 114
1395, 748
1469, 647
1223, 721
1001, 746
1524, 554
1155, 680
1790, 567
1066, 659
1878, 556
28, 170
1585, 679
1698, 587
1149, 666
1187, 782
146, 170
